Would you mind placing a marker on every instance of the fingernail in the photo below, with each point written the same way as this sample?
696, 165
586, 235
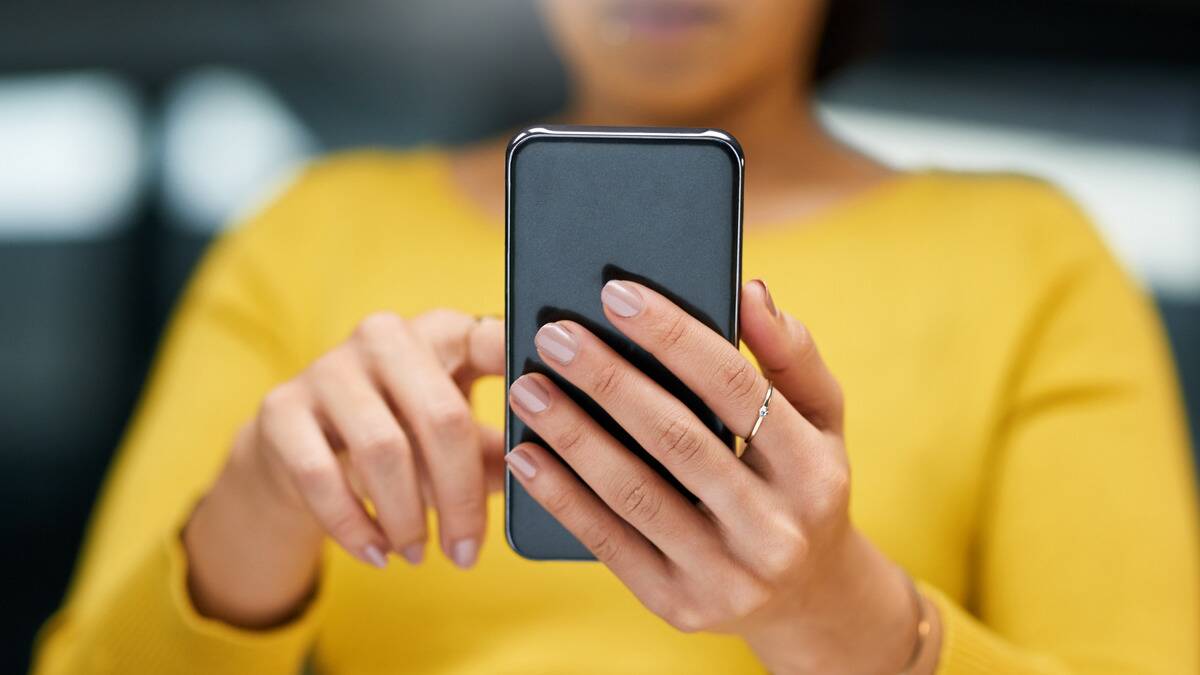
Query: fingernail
464, 552
622, 298
530, 395
374, 555
414, 553
520, 461
554, 341
767, 297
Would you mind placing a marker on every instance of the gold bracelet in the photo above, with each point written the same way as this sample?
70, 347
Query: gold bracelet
924, 627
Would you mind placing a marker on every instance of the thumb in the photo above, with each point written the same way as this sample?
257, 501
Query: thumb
788, 356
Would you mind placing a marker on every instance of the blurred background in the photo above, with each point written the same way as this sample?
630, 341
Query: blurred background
132, 132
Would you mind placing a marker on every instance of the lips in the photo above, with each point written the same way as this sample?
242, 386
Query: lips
663, 18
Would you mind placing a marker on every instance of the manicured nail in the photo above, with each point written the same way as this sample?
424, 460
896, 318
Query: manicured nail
520, 461
554, 341
530, 395
622, 298
372, 554
464, 552
766, 296
414, 553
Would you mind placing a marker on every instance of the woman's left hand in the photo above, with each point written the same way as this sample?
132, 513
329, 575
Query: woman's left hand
770, 553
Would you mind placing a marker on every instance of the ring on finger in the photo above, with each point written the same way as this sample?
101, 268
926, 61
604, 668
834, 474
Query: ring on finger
758, 421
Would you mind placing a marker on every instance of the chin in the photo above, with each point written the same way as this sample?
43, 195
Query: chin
657, 98
657, 110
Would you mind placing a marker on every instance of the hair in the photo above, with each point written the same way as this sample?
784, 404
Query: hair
853, 30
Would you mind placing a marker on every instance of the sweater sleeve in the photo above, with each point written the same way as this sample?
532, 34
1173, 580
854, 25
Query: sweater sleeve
1086, 558
236, 333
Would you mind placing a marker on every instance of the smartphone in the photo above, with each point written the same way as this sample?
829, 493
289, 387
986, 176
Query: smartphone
584, 205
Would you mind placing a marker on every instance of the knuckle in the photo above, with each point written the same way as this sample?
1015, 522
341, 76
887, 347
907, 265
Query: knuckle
607, 380
803, 346
672, 331
402, 524
381, 453
282, 398
685, 618
837, 399
343, 525
450, 418
444, 315
377, 335
378, 326
637, 501
570, 438
832, 494
678, 440
659, 599
446, 331
747, 595
310, 476
602, 542
743, 490
839, 483
737, 377
330, 367
560, 502
788, 549
465, 504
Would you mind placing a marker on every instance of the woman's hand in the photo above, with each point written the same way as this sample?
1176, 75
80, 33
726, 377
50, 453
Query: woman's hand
770, 553
383, 416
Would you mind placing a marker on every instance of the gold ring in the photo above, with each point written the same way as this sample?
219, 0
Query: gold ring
762, 415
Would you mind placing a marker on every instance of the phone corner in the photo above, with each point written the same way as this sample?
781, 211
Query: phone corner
514, 545
523, 136
729, 142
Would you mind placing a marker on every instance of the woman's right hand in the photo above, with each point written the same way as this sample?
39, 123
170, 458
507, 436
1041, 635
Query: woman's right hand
383, 416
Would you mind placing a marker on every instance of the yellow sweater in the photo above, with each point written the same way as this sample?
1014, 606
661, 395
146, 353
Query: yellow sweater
1013, 428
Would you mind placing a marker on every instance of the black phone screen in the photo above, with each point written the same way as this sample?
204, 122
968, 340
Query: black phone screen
586, 205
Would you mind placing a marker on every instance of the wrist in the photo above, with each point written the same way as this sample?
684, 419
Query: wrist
249, 499
252, 556
927, 647
858, 618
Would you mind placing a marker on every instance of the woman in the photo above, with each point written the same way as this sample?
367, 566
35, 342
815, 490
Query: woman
1021, 498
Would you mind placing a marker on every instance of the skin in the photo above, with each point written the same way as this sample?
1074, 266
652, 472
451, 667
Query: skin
770, 555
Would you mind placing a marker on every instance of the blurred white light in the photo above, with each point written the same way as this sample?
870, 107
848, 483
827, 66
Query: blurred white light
71, 156
228, 142
1144, 199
